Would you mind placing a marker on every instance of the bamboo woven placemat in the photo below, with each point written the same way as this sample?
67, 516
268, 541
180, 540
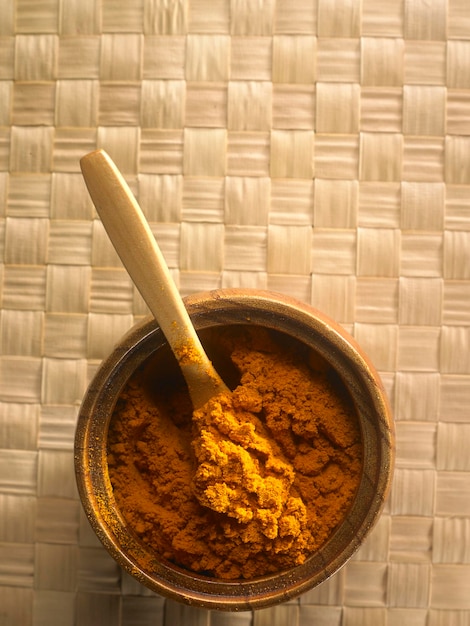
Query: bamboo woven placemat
320, 148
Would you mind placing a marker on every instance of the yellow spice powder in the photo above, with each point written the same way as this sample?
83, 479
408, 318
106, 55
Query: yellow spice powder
252, 483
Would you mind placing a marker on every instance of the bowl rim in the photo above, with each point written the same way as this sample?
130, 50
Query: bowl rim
216, 308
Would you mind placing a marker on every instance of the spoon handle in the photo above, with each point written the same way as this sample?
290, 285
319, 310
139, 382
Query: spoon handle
135, 244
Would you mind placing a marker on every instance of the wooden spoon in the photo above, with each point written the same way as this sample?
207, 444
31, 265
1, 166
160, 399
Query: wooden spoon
216, 474
134, 242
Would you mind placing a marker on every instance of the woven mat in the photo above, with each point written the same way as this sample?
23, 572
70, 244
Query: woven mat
320, 148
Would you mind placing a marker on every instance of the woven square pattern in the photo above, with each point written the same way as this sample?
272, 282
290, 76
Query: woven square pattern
318, 148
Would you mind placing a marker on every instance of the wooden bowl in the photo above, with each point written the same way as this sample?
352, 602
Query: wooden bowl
215, 309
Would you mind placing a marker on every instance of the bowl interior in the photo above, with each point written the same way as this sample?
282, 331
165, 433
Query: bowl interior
145, 344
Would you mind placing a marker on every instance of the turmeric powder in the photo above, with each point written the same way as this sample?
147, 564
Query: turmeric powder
252, 483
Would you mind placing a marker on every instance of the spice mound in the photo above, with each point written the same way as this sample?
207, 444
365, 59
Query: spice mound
253, 482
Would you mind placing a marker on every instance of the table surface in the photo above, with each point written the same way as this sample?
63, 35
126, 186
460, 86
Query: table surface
318, 148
